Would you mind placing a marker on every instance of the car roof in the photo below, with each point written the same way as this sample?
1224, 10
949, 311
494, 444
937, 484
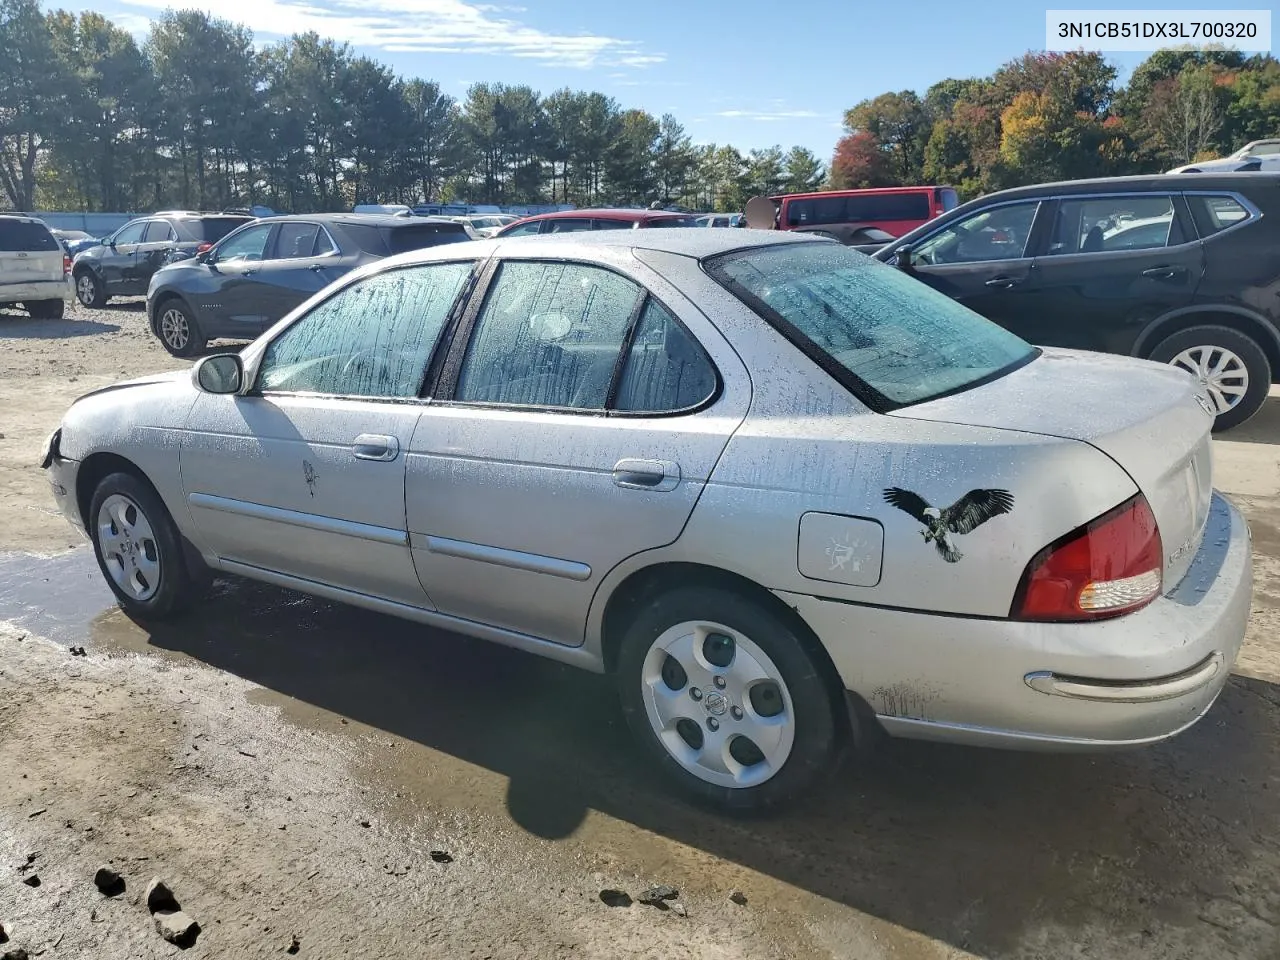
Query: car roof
1174, 182
367, 219
22, 218
697, 244
858, 191
609, 213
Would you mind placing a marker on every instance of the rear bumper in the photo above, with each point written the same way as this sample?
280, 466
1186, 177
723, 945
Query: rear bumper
1133, 680
38, 290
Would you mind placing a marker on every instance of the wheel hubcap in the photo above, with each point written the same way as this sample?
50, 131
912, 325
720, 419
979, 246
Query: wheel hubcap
129, 549
85, 287
1221, 373
174, 329
718, 704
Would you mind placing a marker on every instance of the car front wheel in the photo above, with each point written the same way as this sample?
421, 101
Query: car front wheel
1232, 370
727, 700
89, 289
178, 330
139, 549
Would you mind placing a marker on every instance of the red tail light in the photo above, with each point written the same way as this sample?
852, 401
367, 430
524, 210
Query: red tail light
204, 247
66, 264
1110, 566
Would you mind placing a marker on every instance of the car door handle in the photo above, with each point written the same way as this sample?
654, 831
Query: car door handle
249, 272
1165, 273
316, 267
374, 446
656, 475
1003, 283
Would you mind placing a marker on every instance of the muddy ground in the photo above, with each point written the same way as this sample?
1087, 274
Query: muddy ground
289, 766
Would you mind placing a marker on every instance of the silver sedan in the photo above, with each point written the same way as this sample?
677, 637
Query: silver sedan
780, 491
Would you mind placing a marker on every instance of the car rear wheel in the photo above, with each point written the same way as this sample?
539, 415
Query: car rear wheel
89, 289
178, 330
725, 698
139, 549
46, 309
1233, 371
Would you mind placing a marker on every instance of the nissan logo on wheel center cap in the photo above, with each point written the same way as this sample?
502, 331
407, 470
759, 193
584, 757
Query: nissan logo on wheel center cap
716, 704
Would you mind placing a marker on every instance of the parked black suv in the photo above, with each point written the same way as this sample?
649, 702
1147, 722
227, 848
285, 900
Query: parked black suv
1170, 268
254, 276
123, 263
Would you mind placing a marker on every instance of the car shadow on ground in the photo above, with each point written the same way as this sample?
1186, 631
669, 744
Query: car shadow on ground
1262, 427
14, 326
984, 850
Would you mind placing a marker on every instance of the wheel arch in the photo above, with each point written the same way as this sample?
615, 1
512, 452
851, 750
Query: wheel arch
1247, 322
159, 300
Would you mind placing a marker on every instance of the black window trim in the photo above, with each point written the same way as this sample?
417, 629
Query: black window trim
446, 385
1181, 213
1254, 213
443, 341
145, 221
1034, 235
868, 395
275, 239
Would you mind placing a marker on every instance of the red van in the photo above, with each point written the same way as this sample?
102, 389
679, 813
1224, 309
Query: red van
895, 210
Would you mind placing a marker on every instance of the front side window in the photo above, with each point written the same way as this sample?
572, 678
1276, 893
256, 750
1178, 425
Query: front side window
997, 233
131, 233
371, 339
890, 338
248, 244
1103, 224
548, 335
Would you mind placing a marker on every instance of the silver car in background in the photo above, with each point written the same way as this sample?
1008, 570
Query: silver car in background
779, 490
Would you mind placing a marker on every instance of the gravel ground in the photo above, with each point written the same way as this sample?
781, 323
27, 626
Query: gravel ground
289, 766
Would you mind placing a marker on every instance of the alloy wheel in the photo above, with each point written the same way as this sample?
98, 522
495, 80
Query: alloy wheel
1220, 372
174, 328
129, 548
718, 704
86, 289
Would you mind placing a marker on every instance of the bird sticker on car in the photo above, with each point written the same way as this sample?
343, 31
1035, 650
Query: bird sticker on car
964, 516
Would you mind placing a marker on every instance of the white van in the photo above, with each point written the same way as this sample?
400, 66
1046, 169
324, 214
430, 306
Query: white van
34, 269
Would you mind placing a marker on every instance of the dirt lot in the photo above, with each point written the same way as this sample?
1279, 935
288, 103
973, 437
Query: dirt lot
289, 766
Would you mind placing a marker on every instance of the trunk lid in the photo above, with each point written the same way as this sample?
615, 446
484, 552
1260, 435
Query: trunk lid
28, 252
1145, 416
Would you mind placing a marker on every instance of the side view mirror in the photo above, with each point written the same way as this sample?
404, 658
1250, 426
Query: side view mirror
220, 373
902, 257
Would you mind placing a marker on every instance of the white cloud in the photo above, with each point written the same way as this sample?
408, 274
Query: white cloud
767, 116
420, 26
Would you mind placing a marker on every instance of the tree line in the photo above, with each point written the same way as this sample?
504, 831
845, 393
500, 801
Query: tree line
197, 117
1050, 116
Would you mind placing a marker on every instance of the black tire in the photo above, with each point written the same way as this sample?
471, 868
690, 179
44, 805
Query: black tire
90, 291
177, 588
178, 330
1243, 346
821, 727
46, 309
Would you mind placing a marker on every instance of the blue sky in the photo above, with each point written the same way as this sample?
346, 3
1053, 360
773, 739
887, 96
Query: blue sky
751, 73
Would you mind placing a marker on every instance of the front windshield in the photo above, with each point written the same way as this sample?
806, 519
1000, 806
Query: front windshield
890, 338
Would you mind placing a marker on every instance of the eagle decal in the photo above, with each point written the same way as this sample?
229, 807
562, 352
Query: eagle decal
964, 516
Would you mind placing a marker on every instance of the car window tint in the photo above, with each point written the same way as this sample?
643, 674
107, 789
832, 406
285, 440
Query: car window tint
549, 335
213, 229
997, 233
1212, 214
1101, 224
371, 339
666, 368
132, 233
324, 243
568, 225
248, 244
158, 231
25, 236
419, 235
296, 241
524, 229
599, 224
870, 323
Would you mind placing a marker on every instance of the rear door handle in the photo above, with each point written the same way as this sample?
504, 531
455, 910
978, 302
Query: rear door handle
1164, 273
657, 475
1003, 283
374, 446
316, 267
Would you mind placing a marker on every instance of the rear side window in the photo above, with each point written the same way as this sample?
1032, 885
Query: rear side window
1215, 213
420, 235
212, 229
1105, 224
666, 369
853, 208
26, 236
300, 241
889, 338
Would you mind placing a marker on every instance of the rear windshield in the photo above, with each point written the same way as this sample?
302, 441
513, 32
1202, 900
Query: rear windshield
882, 207
25, 235
890, 339
419, 235
211, 229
